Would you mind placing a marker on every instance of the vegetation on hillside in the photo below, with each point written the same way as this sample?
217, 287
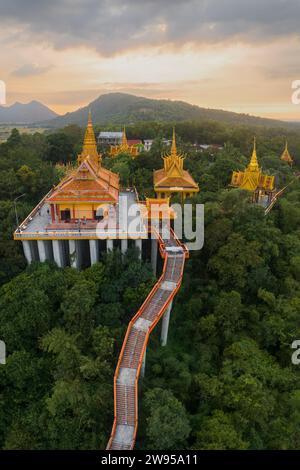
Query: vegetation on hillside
123, 108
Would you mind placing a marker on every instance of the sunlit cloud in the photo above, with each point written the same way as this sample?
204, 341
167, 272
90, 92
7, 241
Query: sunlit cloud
234, 54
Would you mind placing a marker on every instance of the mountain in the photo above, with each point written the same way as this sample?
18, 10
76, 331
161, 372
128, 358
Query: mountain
122, 108
29, 113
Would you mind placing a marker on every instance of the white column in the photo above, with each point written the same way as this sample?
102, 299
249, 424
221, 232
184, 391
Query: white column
124, 246
109, 245
154, 249
27, 251
94, 251
42, 250
48, 249
73, 254
143, 366
165, 325
138, 244
58, 253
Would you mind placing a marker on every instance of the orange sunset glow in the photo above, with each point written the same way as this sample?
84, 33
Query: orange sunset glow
234, 55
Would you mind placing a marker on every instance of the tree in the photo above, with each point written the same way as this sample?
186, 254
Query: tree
218, 433
167, 422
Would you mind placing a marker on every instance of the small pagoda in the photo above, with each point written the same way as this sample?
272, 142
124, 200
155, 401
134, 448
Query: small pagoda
173, 178
124, 147
285, 156
252, 179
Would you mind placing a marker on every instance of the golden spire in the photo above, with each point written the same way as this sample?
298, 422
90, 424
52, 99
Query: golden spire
173, 147
286, 154
89, 148
124, 139
253, 165
173, 162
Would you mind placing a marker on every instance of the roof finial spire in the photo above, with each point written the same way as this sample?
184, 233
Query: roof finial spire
253, 165
89, 148
90, 117
124, 137
286, 154
173, 147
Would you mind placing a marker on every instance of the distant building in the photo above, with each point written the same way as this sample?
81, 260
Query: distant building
252, 179
148, 143
109, 138
207, 147
134, 142
125, 147
286, 156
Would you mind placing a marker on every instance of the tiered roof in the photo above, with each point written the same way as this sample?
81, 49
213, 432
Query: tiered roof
89, 182
252, 177
124, 147
285, 156
173, 176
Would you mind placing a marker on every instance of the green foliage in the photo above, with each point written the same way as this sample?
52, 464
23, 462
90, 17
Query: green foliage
167, 425
218, 433
57, 386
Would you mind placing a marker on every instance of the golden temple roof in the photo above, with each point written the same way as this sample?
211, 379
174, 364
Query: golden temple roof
173, 176
89, 148
89, 182
285, 156
124, 147
157, 208
252, 178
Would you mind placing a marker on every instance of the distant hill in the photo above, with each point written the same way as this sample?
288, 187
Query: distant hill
122, 108
29, 113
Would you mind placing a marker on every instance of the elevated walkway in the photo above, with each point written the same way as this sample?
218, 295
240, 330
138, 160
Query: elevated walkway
127, 373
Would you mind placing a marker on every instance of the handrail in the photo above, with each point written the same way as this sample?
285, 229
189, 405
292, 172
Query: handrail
113, 443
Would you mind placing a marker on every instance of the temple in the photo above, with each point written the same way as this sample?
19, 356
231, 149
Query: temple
173, 179
85, 214
285, 156
87, 192
124, 147
88, 214
253, 180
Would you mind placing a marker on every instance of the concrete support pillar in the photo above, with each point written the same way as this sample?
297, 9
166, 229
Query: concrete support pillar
138, 244
109, 245
143, 367
124, 246
42, 250
94, 251
58, 253
27, 251
154, 249
165, 325
73, 253
48, 249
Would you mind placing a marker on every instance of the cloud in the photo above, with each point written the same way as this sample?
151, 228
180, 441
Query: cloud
28, 70
112, 26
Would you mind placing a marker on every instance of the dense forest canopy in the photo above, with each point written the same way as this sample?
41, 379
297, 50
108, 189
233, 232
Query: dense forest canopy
225, 379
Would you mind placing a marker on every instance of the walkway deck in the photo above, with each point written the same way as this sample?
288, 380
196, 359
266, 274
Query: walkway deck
134, 346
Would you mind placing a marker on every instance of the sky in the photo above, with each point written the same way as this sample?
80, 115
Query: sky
228, 54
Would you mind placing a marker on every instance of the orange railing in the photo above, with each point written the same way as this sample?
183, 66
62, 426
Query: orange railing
155, 312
